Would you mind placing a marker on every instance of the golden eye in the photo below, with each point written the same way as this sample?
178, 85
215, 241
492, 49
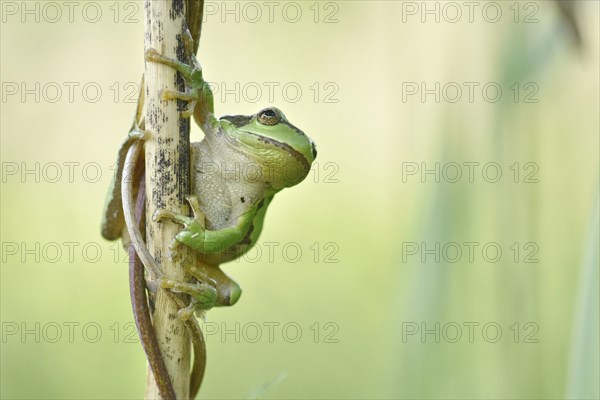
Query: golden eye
269, 116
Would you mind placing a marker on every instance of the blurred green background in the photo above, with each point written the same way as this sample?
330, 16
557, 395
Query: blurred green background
351, 302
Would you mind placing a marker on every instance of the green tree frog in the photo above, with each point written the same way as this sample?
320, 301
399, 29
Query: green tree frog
241, 163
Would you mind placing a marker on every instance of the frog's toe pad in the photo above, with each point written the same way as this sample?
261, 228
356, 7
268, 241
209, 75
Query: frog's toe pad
151, 54
185, 313
234, 295
160, 215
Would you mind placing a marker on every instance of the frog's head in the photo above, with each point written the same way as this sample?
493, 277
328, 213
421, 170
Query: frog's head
284, 151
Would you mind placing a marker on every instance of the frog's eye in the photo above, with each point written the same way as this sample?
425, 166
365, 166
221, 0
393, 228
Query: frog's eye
314, 150
269, 116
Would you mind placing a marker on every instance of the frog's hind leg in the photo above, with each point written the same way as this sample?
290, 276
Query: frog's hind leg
204, 296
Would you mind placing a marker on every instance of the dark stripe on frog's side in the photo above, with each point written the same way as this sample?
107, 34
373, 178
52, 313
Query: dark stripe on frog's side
248, 239
301, 133
296, 154
298, 131
238, 120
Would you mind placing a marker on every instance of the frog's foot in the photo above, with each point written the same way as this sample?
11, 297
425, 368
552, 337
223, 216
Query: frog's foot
154, 56
188, 42
191, 73
138, 133
167, 94
199, 274
160, 215
193, 234
191, 97
228, 291
198, 221
204, 296
194, 203
187, 312
152, 286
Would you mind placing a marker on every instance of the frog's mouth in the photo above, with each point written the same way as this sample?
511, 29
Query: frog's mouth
285, 147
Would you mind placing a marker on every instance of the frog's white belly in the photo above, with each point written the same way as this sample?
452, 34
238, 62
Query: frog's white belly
225, 182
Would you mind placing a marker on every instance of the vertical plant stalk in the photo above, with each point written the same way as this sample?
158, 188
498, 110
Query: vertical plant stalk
167, 181
584, 366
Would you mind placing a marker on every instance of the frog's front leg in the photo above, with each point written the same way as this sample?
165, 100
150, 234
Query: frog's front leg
195, 236
195, 224
199, 93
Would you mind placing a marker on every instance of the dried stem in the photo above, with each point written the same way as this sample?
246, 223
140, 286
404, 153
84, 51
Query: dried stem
168, 182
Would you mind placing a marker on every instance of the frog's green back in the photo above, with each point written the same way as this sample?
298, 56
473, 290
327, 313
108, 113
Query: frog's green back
113, 219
